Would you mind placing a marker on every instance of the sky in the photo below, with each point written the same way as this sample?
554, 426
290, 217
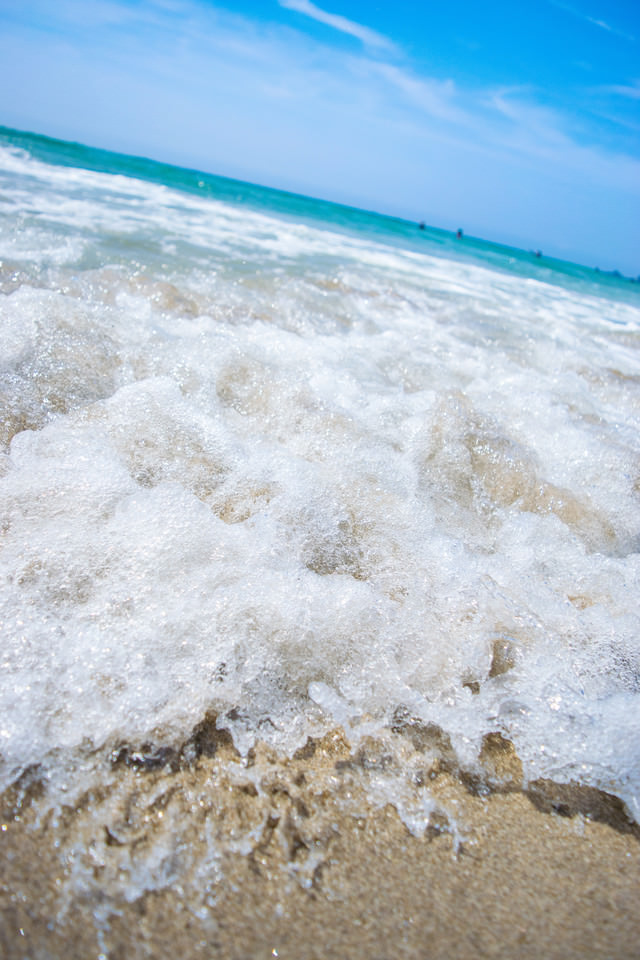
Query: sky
519, 122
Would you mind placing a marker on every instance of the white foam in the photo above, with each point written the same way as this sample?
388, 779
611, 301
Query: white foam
302, 480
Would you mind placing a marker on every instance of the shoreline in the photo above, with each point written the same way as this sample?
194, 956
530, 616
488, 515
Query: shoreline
286, 857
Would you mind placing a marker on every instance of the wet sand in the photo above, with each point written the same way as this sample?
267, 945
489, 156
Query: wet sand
286, 858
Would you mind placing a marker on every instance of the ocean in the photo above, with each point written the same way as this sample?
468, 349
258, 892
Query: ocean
302, 467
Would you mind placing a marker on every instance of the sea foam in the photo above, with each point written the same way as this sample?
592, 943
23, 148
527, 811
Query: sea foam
302, 479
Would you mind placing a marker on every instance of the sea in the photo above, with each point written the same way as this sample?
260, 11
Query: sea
303, 467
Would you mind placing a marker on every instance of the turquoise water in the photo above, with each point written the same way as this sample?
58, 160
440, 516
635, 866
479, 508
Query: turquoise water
389, 230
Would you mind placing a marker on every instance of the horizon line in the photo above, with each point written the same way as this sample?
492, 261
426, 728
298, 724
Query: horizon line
460, 233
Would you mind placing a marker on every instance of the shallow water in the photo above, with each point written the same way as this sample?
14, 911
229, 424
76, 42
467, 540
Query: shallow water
304, 467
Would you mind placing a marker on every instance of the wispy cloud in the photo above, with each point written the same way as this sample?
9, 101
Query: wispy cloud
541, 136
595, 21
365, 34
600, 23
631, 91
435, 97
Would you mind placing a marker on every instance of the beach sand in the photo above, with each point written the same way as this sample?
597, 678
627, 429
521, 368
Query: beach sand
306, 868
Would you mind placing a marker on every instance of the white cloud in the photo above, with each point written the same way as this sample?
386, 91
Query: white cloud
630, 91
540, 136
435, 97
602, 24
367, 36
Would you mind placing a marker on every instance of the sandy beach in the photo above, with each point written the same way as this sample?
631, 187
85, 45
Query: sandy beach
306, 870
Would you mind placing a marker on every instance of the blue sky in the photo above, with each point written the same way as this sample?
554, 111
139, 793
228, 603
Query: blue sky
519, 122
